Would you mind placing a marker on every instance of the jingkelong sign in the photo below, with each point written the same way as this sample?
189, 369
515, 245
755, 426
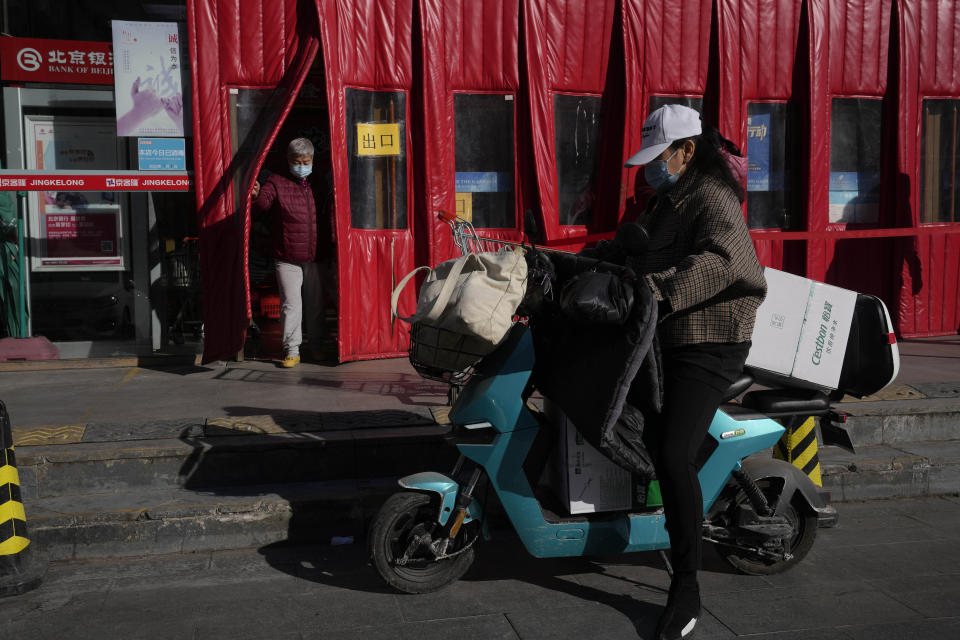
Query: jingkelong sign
61, 61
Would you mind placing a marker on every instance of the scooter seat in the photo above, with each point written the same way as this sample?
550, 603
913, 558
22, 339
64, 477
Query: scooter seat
788, 402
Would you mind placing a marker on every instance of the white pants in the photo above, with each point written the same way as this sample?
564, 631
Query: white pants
292, 278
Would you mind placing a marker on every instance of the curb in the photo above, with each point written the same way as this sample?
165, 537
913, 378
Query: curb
157, 523
907, 470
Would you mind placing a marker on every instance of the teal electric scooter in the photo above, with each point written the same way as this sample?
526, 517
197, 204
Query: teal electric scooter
761, 513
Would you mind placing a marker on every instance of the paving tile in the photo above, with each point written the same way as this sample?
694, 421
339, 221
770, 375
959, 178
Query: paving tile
607, 621
251, 615
492, 627
942, 512
806, 634
825, 564
859, 527
805, 608
905, 559
472, 598
941, 629
392, 632
346, 609
60, 434
140, 430
930, 596
938, 389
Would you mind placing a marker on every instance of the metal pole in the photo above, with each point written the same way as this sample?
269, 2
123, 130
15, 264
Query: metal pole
21, 275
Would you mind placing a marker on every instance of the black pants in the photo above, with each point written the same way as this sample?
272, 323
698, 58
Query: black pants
695, 378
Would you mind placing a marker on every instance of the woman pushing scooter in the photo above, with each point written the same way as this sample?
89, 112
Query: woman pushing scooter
702, 268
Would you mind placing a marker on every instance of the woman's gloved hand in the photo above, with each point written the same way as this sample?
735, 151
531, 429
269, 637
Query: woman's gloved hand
632, 238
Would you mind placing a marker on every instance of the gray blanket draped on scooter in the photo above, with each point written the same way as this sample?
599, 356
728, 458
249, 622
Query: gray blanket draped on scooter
605, 377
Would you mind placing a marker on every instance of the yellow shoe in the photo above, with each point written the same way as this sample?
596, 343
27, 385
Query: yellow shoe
290, 362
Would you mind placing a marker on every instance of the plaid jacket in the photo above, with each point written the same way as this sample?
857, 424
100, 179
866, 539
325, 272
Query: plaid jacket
700, 261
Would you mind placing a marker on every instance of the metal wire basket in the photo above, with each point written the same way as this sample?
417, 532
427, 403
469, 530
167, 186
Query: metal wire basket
445, 356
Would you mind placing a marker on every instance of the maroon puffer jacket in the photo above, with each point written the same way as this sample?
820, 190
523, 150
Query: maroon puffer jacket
294, 224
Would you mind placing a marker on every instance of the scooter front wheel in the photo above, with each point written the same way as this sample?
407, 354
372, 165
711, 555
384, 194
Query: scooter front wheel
400, 545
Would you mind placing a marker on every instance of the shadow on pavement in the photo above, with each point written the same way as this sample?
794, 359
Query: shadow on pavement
588, 579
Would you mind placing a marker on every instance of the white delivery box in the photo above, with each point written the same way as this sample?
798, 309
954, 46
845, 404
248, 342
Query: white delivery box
590, 482
800, 335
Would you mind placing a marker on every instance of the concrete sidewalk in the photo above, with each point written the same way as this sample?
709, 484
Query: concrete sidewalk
929, 374
134, 460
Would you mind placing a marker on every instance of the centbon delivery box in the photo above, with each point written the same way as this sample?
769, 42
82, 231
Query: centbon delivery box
800, 335
589, 482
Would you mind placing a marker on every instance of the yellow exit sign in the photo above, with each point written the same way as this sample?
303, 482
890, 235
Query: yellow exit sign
378, 139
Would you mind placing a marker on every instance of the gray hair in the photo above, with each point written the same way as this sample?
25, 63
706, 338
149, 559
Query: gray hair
300, 147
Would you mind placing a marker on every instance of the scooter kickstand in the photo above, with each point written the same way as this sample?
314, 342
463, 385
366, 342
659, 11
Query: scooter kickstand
666, 562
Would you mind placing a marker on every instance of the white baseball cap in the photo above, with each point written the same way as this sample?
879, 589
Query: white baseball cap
668, 123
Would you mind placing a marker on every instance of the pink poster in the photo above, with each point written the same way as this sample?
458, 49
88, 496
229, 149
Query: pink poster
147, 79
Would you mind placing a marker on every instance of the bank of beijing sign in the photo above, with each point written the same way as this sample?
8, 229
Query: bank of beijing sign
62, 61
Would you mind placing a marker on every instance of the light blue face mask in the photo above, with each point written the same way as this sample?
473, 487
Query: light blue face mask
301, 170
658, 176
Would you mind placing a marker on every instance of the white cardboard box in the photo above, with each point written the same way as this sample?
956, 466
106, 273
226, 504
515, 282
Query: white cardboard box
776, 332
589, 481
801, 330
823, 341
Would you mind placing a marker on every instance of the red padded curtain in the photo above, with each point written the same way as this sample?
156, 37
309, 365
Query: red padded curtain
857, 33
567, 46
367, 44
468, 45
761, 59
666, 52
262, 43
929, 68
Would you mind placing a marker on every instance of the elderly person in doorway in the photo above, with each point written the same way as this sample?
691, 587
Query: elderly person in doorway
300, 244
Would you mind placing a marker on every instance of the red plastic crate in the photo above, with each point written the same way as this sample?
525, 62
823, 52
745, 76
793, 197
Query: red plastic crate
270, 306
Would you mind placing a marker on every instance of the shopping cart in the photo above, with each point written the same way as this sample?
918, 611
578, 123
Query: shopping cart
457, 354
183, 279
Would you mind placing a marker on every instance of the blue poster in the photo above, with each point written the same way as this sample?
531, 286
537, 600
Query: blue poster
758, 152
854, 196
483, 181
162, 154
865, 183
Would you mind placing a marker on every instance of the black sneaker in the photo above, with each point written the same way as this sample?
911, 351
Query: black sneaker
680, 617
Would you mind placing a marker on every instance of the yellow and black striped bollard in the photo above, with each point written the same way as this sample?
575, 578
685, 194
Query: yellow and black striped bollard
798, 446
19, 572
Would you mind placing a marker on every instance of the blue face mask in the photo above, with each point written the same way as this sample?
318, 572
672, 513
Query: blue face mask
301, 170
658, 176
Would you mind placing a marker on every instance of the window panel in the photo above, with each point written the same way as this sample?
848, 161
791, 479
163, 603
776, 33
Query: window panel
940, 164
577, 122
772, 162
855, 134
377, 159
485, 161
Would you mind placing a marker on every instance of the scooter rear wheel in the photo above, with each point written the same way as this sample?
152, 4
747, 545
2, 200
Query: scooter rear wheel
804, 526
403, 517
